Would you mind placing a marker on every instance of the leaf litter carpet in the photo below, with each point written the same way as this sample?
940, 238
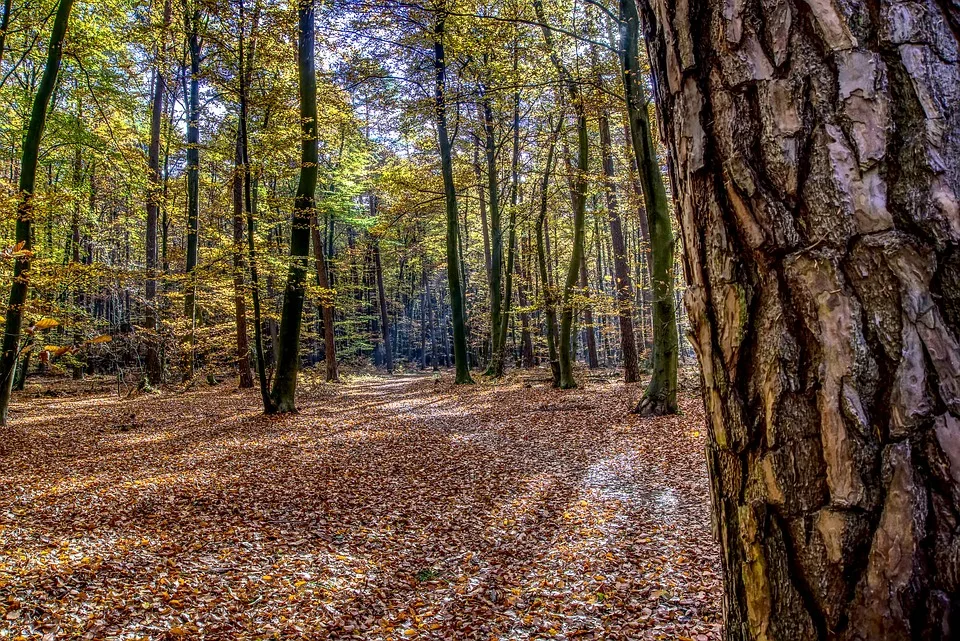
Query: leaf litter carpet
388, 508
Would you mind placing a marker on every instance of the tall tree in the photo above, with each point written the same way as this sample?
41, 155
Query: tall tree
239, 293
304, 208
13, 318
624, 283
154, 370
461, 361
579, 189
817, 162
192, 17
660, 396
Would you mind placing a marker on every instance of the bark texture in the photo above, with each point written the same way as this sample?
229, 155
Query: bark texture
817, 163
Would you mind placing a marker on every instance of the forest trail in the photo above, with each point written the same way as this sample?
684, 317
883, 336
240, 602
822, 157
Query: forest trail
388, 508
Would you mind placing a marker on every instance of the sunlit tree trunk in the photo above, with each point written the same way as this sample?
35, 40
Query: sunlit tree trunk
661, 394
288, 356
453, 220
817, 173
13, 318
382, 302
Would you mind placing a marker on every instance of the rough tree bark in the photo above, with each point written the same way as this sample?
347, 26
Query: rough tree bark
13, 318
816, 161
543, 258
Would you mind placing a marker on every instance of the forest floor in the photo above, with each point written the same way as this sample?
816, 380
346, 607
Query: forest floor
388, 508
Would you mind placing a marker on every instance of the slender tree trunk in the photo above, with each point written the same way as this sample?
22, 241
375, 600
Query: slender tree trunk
623, 283
567, 380
481, 194
192, 22
593, 361
661, 394
495, 366
382, 306
154, 370
4, 26
819, 173
453, 220
288, 358
239, 295
326, 304
13, 319
543, 257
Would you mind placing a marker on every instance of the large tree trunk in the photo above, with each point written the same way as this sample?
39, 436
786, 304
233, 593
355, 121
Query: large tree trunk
661, 394
13, 318
288, 356
817, 167
453, 220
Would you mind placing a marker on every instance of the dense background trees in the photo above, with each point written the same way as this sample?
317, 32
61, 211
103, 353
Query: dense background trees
476, 183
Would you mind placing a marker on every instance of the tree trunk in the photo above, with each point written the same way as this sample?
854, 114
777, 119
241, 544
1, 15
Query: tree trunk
818, 176
239, 295
623, 283
543, 258
288, 357
192, 21
153, 368
661, 394
382, 302
495, 367
567, 380
13, 319
453, 220
326, 304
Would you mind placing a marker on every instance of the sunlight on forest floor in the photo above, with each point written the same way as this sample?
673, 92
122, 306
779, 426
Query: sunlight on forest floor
388, 508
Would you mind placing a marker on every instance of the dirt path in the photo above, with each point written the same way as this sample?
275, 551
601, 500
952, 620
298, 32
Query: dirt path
386, 509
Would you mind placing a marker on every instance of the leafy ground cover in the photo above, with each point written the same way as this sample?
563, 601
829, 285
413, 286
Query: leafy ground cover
388, 508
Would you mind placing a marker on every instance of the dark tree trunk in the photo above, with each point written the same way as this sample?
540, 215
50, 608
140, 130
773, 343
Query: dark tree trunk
543, 256
304, 208
382, 305
192, 23
818, 168
239, 295
453, 220
154, 189
495, 367
623, 283
593, 361
326, 305
661, 394
13, 318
